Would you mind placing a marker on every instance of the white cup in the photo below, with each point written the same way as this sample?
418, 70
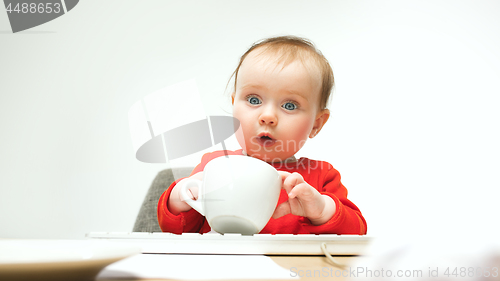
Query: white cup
238, 194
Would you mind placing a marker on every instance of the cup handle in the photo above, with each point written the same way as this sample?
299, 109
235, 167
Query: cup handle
195, 204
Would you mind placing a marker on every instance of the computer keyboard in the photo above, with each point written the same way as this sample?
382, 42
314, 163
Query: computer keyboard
215, 243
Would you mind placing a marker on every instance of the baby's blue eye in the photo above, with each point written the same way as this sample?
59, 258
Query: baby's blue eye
253, 100
289, 106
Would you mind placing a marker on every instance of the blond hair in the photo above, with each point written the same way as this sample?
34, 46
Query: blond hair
289, 49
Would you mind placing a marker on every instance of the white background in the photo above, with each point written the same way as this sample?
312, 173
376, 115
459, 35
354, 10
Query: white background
414, 129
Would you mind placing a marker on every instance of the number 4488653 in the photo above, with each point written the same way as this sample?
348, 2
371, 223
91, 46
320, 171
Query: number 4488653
34, 8
471, 272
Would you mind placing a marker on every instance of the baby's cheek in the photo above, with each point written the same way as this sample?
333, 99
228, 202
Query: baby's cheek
240, 136
302, 132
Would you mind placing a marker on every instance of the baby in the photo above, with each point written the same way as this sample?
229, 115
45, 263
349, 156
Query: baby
281, 88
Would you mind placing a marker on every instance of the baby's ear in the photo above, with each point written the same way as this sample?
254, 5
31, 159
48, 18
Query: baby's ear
320, 121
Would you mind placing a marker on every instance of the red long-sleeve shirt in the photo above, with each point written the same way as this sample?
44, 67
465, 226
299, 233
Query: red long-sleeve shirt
319, 174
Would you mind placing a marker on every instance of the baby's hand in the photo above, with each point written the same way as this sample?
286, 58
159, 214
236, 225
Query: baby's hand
304, 200
175, 203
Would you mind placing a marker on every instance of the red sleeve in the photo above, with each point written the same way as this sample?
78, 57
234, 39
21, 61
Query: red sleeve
190, 221
347, 218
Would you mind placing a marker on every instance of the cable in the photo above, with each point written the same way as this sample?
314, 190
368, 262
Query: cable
330, 258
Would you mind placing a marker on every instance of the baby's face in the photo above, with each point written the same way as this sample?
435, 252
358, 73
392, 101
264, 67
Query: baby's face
278, 108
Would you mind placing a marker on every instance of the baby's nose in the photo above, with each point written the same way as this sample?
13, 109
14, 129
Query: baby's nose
268, 118
266, 121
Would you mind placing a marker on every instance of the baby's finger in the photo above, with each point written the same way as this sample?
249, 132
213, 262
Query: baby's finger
281, 210
291, 181
283, 175
301, 190
192, 192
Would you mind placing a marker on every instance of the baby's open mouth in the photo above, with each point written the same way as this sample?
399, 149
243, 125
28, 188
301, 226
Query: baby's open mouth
266, 141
